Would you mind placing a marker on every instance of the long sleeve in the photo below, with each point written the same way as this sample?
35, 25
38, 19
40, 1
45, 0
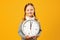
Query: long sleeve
20, 31
39, 29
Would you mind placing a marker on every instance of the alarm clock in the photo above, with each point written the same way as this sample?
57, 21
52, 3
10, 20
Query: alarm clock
30, 28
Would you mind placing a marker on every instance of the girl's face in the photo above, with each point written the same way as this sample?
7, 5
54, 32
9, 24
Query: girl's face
30, 11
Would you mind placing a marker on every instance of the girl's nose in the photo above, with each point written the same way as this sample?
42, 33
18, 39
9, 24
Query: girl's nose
30, 12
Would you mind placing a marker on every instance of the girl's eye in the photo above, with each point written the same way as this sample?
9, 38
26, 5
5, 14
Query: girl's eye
27, 10
31, 9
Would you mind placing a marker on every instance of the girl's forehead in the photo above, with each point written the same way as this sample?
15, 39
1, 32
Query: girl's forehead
29, 7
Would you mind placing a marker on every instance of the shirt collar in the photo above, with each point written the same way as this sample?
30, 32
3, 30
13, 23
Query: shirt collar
30, 18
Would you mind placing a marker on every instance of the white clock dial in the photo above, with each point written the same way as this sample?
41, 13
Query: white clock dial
30, 27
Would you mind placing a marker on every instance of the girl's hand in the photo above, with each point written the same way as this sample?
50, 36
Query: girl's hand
27, 37
34, 36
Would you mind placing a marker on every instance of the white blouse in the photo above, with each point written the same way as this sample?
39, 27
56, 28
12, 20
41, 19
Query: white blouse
30, 18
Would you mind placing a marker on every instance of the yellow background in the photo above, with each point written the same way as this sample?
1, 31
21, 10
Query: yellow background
47, 12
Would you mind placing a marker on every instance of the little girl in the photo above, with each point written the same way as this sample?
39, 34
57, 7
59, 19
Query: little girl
29, 15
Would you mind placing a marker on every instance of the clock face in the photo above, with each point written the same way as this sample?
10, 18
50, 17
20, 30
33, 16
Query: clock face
30, 27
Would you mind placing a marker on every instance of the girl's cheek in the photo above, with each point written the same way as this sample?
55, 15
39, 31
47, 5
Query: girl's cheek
32, 12
27, 12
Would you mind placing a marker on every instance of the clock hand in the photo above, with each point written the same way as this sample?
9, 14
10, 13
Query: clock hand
30, 25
